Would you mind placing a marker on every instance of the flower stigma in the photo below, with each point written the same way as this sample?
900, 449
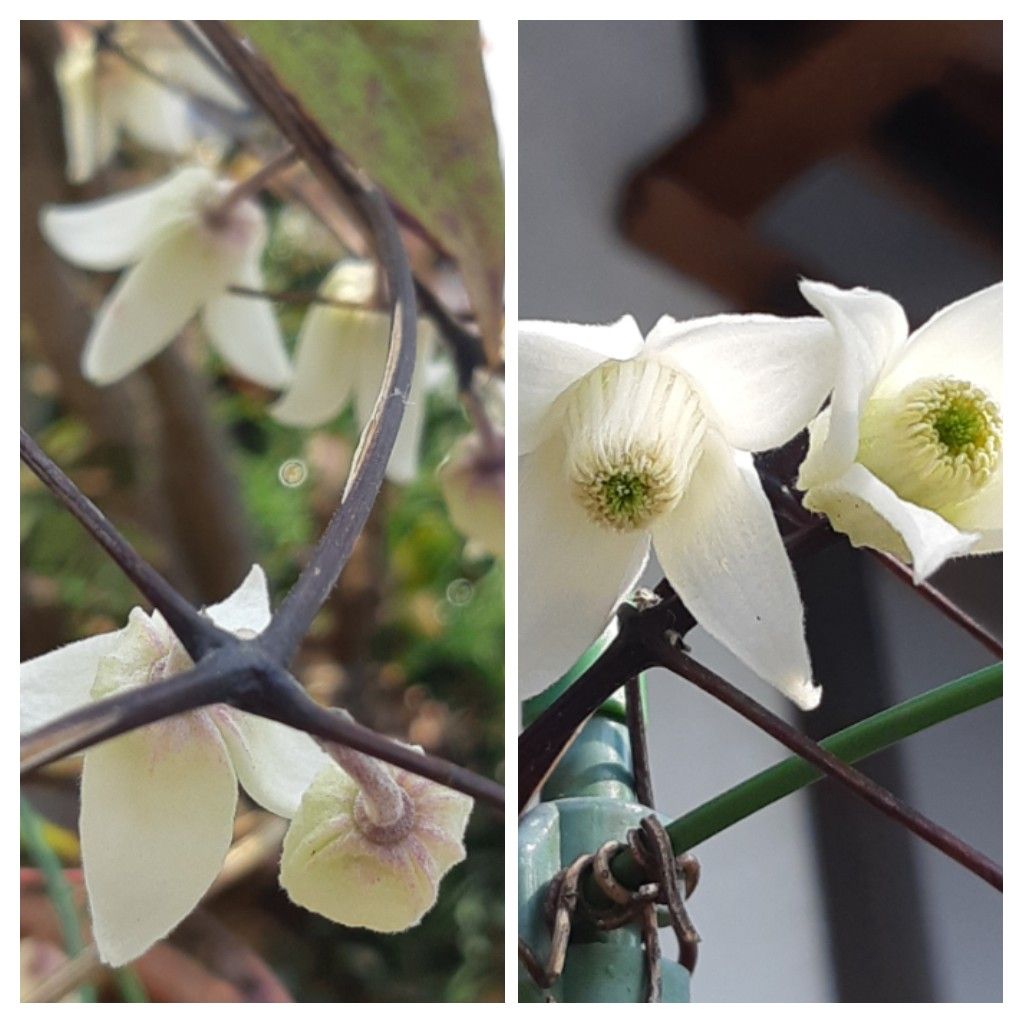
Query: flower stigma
635, 431
936, 443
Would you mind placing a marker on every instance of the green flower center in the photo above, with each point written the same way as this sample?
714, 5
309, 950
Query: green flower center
936, 443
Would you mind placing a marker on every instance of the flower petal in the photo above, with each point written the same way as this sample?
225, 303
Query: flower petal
553, 356
153, 302
152, 115
871, 328
245, 331
872, 515
721, 551
247, 610
75, 73
964, 340
113, 233
54, 684
762, 378
330, 346
405, 456
275, 764
983, 514
158, 808
572, 573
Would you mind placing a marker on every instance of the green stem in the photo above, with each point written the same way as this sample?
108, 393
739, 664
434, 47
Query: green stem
57, 888
851, 744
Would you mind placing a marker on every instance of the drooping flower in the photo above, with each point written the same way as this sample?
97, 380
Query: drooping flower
624, 442
103, 95
908, 456
158, 804
472, 479
342, 861
340, 357
184, 246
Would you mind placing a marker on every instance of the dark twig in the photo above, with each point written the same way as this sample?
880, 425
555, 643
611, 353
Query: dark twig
349, 185
466, 347
664, 653
196, 632
642, 782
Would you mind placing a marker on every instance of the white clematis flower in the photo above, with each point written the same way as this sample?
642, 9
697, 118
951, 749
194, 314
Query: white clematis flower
472, 479
340, 356
184, 249
908, 457
624, 443
339, 862
103, 95
158, 804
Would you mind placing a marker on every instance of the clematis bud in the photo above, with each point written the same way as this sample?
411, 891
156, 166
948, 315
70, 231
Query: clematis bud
372, 854
472, 480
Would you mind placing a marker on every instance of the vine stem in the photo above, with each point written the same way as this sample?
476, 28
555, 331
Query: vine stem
198, 633
664, 653
256, 181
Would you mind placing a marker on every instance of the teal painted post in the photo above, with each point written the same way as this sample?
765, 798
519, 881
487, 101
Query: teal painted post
588, 799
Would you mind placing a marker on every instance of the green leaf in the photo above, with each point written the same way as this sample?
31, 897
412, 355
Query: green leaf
408, 102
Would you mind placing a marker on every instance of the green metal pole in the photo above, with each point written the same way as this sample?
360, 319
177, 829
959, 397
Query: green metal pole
588, 800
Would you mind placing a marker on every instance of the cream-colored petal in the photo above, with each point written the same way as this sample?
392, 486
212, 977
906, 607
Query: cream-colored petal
871, 328
112, 233
553, 356
964, 341
872, 515
153, 115
245, 331
154, 300
54, 684
473, 485
573, 574
158, 808
761, 378
75, 73
720, 549
331, 345
982, 514
405, 456
247, 610
275, 764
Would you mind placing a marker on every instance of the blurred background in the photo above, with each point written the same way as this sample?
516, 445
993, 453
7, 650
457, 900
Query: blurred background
694, 168
184, 458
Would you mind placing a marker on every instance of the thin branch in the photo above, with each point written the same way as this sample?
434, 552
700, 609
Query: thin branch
215, 680
256, 181
305, 599
664, 653
302, 298
198, 633
939, 600
466, 347
642, 781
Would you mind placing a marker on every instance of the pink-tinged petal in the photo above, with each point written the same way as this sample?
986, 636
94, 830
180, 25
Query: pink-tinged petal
720, 549
54, 684
158, 809
553, 356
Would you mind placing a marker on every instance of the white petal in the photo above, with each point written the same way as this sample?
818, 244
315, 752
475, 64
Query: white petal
871, 328
113, 233
245, 331
158, 807
762, 378
572, 573
248, 608
153, 302
152, 115
75, 73
721, 551
54, 684
186, 68
327, 356
983, 514
405, 456
275, 764
553, 356
964, 340
873, 515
